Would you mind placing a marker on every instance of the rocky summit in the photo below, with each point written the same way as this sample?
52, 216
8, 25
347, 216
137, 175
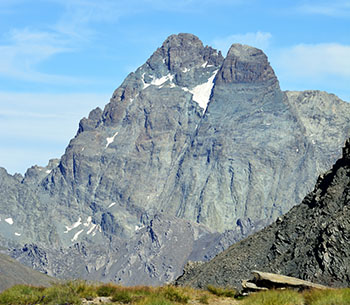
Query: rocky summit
310, 242
193, 152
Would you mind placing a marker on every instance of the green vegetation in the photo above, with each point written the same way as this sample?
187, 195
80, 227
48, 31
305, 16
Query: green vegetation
106, 290
222, 292
175, 294
274, 297
75, 292
204, 299
328, 297
290, 297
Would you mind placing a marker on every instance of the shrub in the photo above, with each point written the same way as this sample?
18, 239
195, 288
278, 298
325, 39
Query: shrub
155, 300
173, 294
222, 292
106, 290
122, 296
274, 297
21, 295
65, 293
204, 299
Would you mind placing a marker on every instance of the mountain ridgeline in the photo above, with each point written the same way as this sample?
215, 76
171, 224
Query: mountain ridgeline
193, 152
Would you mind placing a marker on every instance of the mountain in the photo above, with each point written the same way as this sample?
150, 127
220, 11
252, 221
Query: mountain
13, 273
310, 242
193, 152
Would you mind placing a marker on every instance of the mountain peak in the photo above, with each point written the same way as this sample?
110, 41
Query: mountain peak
184, 51
245, 64
183, 40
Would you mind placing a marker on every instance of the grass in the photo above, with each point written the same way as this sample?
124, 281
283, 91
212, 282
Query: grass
327, 297
222, 292
274, 297
21, 294
73, 292
290, 297
204, 299
175, 294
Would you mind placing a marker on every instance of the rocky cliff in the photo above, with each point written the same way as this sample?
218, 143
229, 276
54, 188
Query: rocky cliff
193, 152
310, 242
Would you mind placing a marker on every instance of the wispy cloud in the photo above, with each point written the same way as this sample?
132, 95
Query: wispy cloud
328, 8
36, 127
316, 60
258, 39
26, 49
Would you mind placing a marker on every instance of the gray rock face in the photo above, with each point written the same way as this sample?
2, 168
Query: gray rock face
310, 242
190, 142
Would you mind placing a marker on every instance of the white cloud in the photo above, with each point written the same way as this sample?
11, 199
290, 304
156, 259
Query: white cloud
259, 40
328, 8
317, 61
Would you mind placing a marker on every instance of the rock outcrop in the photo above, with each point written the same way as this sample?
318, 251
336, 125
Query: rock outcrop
310, 242
193, 152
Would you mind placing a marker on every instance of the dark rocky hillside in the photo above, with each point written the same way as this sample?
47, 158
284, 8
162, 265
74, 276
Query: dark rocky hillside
193, 152
310, 242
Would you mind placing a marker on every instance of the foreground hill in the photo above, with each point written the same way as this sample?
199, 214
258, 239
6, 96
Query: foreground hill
193, 152
310, 242
12, 273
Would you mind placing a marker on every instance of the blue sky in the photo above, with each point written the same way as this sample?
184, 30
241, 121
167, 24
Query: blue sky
59, 59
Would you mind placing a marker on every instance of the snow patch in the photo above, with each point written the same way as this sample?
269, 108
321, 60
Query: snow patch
17, 234
201, 93
76, 235
48, 171
88, 221
73, 226
91, 229
185, 70
112, 204
157, 81
162, 80
205, 64
111, 139
9, 221
138, 228
98, 228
